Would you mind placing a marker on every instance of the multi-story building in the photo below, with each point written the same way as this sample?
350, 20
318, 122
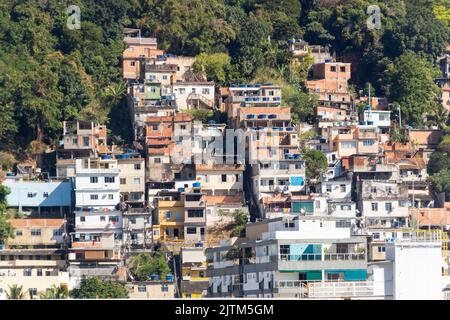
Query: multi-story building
35, 258
168, 220
51, 197
251, 95
99, 256
194, 215
81, 139
138, 48
383, 204
288, 257
220, 179
194, 282
132, 179
97, 183
137, 228
194, 95
330, 81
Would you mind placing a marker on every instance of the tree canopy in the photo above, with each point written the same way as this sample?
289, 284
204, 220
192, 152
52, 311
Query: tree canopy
144, 265
97, 288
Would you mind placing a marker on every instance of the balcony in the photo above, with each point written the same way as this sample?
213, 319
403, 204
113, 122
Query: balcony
326, 289
326, 257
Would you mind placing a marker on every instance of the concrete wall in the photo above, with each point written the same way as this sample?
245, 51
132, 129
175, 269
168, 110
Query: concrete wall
59, 193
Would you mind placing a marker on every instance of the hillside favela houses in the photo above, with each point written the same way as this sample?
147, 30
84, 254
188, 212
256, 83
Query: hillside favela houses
224, 191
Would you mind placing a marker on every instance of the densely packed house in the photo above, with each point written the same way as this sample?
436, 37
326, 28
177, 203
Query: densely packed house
232, 199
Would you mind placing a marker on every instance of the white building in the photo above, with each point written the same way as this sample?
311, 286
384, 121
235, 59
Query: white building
96, 197
194, 95
97, 183
413, 267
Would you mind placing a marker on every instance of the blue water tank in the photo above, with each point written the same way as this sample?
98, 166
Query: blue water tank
180, 189
105, 156
196, 184
154, 277
10, 174
198, 245
169, 277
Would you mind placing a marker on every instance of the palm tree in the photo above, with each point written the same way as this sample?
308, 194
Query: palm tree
15, 292
115, 92
55, 292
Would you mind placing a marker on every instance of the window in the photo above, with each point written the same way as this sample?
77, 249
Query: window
368, 143
132, 63
27, 272
45, 195
168, 215
374, 206
137, 166
39, 272
30, 195
343, 224
57, 232
373, 189
388, 206
285, 250
123, 181
94, 196
164, 288
289, 224
86, 141
142, 288
109, 179
317, 204
237, 177
48, 273
224, 178
381, 249
113, 219
388, 189
110, 197
348, 145
343, 188
333, 68
102, 218
182, 91
32, 291
18, 233
36, 232
82, 219
157, 160
94, 179
342, 69
133, 220
191, 230
195, 213
137, 180
164, 77
205, 91
329, 188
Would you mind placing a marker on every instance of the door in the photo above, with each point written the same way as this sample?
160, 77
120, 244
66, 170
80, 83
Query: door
175, 233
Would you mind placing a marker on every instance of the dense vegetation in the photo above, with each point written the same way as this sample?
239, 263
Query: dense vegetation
49, 73
97, 288
144, 265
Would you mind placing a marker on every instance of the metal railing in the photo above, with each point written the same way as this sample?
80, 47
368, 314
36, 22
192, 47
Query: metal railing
326, 257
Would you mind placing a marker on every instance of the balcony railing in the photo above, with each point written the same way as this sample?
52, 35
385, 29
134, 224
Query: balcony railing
326, 257
326, 289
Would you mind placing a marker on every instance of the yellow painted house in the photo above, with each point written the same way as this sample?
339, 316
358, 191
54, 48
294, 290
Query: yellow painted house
170, 226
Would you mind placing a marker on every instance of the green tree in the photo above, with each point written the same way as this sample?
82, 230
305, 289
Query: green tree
97, 288
409, 82
441, 181
202, 115
438, 161
145, 264
214, 66
15, 292
240, 220
55, 292
316, 164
